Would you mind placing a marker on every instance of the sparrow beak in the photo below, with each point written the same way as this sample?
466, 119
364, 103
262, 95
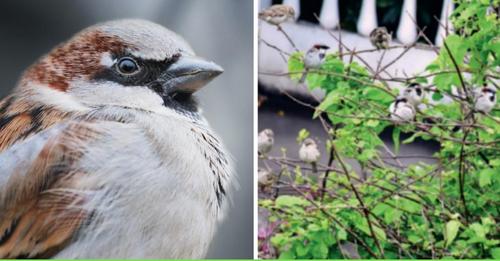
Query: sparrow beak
188, 74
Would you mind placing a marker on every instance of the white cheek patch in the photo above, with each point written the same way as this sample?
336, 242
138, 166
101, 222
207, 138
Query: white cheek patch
58, 99
106, 60
114, 94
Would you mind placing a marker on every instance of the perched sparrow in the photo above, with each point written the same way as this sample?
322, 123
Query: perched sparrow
309, 153
401, 110
266, 141
104, 152
265, 179
414, 93
485, 99
277, 14
380, 38
492, 10
315, 57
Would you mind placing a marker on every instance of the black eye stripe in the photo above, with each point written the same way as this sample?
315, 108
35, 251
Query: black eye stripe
148, 72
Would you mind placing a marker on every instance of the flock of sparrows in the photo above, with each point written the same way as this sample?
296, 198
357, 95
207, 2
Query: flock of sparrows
308, 153
104, 152
279, 13
402, 110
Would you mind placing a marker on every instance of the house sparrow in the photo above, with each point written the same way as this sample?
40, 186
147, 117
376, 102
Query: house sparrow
314, 58
401, 110
277, 14
414, 93
309, 153
105, 154
265, 141
265, 179
485, 99
380, 38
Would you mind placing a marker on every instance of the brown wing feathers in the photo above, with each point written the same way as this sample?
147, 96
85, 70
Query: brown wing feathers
19, 120
40, 207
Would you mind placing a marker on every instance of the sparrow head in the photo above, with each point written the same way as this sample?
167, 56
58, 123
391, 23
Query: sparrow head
379, 31
401, 100
489, 92
290, 11
309, 142
415, 87
128, 63
319, 49
268, 132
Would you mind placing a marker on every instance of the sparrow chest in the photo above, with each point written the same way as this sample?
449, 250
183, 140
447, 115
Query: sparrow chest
405, 112
309, 153
169, 194
194, 154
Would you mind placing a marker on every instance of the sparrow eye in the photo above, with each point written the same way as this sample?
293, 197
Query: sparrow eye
127, 66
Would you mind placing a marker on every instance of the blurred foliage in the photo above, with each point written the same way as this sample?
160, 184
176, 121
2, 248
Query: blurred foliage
449, 209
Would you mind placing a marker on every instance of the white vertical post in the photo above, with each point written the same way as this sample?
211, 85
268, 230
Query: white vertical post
444, 21
295, 4
407, 29
367, 17
329, 16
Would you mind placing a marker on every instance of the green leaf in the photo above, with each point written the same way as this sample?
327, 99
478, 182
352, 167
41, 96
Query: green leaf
485, 177
458, 48
410, 205
320, 250
445, 81
378, 95
451, 231
395, 139
301, 250
495, 252
290, 201
437, 96
342, 234
295, 65
332, 98
379, 233
314, 80
287, 255
432, 67
372, 123
303, 134
412, 137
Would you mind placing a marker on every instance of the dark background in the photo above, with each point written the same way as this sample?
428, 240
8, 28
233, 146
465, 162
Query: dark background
220, 30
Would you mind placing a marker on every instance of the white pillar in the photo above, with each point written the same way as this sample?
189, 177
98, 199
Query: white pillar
407, 29
329, 16
367, 17
295, 4
444, 21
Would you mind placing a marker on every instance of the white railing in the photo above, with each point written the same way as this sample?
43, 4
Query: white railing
367, 21
305, 35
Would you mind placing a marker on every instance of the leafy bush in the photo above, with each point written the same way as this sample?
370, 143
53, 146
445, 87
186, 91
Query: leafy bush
450, 209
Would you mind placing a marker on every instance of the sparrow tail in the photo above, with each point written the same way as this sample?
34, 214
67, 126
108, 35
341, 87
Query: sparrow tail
314, 167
